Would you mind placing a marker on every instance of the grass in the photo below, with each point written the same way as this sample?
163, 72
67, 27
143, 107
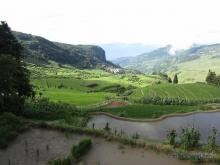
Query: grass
69, 85
149, 111
71, 90
196, 91
76, 97
54, 71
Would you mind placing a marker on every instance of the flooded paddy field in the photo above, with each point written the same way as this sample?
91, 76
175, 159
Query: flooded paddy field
37, 147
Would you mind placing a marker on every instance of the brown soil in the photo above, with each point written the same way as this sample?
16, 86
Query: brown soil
37, 147
116, 104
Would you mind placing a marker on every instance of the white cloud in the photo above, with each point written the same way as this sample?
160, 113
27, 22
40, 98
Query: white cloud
177, 22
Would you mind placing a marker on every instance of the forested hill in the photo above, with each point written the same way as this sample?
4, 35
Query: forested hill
39, 50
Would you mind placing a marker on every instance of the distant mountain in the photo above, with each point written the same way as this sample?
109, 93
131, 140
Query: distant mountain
191, 65
118, 50
39, 50
145, 62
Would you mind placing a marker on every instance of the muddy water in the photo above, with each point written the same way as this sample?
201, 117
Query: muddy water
158, 130
37, 147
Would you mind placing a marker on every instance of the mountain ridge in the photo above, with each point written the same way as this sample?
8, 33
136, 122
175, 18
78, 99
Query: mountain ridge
39, 50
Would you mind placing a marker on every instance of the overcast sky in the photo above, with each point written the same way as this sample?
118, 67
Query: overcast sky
177, 22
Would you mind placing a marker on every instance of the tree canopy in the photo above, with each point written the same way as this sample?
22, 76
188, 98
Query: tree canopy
14, 77
212, 78
175, 79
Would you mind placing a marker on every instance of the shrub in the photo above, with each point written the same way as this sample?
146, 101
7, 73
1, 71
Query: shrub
65, 161
42, 108
212, 139
190, 138
107, 128
80, 149
10, 125
171, 136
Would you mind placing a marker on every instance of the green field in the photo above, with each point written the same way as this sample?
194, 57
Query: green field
82, 87
149, 111
55, 71
71, 90
196, 91
86, 87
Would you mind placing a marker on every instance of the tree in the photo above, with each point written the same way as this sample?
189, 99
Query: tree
169, 80
14, 77
211, 77
175, 79
8, 43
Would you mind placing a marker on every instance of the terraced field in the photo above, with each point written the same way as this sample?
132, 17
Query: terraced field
73, 91
196, 91
82, 87
149, 111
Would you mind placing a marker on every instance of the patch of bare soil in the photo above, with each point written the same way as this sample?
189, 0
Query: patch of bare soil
116, 104
37, 147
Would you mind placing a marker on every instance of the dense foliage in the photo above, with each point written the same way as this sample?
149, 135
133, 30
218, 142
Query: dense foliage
14, 84
212, 139
212, 78
190, 138
10, 126
171, 136
43, 109
175, 79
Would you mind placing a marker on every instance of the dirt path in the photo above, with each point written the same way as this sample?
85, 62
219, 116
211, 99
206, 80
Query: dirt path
37, 147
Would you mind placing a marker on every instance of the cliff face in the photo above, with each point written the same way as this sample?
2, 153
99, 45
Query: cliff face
39, 50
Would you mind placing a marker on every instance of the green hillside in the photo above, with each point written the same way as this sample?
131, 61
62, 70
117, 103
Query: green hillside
39, 50
84, 87
191, 65
196, 91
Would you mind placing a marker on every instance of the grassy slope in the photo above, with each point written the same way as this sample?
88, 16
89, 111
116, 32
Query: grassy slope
196, 70
189, 91
74, 81
149, 111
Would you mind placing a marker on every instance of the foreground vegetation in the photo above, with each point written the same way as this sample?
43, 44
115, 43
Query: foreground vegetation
199, 154
76, 152
10, 127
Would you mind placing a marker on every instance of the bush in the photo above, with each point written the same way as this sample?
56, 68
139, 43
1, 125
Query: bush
80, 149
190, 138
212, 140
65, 161
43, 109
107, 128
10, 126
171, 136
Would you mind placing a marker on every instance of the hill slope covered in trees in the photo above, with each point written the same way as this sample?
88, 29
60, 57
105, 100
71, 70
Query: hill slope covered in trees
39, 50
